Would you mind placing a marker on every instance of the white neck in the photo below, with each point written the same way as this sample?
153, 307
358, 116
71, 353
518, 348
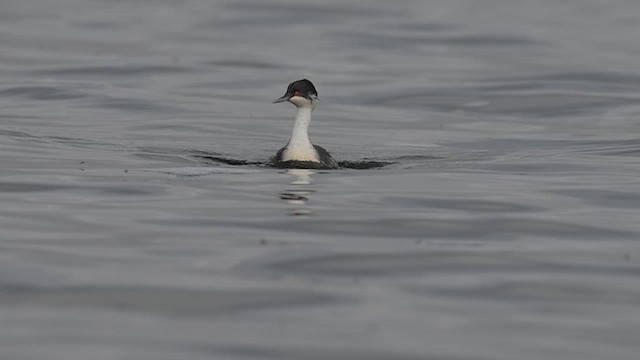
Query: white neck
299, 147
300, 135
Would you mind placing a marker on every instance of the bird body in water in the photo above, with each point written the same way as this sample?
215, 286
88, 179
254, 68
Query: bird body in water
299, 151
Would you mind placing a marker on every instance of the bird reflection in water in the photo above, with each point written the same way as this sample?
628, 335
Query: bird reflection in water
298, 198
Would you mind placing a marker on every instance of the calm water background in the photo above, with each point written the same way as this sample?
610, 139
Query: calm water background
507, 227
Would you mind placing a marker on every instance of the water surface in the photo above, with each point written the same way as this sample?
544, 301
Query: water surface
504, 224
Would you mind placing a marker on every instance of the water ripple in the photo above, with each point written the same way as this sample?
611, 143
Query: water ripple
487, 229
434, 262
114, 70
162, 301
42, 92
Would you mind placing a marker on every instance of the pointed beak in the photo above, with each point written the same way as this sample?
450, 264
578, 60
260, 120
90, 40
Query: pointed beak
286, 97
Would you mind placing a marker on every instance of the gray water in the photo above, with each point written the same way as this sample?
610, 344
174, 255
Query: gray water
506, 227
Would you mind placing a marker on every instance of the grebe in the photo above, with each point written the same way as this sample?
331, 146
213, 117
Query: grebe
304, 96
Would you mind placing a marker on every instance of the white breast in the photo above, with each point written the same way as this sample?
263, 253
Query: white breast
300, 152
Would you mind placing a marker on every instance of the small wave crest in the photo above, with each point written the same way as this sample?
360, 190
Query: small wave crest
357, 165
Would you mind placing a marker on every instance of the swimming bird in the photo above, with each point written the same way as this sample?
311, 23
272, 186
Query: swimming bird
299, 151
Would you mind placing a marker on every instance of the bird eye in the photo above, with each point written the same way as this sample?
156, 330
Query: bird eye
296, 93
